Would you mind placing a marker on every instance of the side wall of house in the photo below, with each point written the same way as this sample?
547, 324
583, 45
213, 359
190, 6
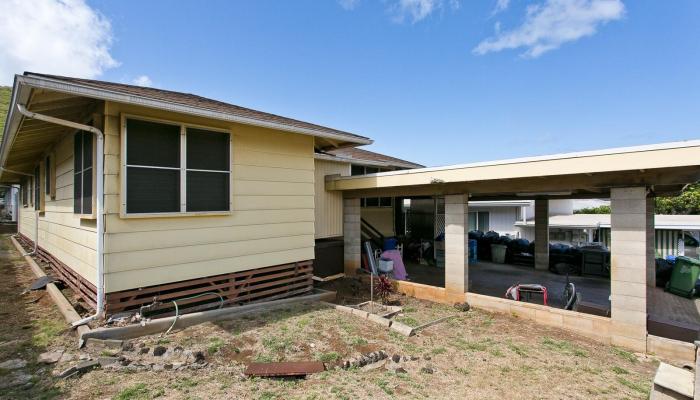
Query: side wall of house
328, 205
271, 222
501, 219
62, 233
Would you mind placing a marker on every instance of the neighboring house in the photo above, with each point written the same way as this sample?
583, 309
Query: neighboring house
198, 195
674, 234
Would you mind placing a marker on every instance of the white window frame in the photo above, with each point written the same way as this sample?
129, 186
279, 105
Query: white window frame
183, 169
476, 219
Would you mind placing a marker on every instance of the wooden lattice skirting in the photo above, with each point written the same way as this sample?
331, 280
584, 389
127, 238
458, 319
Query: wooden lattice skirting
261, 284
80, 286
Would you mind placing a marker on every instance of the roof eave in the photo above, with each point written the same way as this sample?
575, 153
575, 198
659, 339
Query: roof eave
13, 120
110, 95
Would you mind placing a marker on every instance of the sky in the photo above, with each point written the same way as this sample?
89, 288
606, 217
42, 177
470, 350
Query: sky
436, 82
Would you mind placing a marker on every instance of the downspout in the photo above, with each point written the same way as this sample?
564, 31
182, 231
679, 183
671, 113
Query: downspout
99, 170
36, 217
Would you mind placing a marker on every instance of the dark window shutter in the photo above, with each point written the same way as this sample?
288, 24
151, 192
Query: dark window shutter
207, 150
152, 190
153, 144
207, 191
47, 173
77, 172
357, 170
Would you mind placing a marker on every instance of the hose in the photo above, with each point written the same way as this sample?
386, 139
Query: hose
177, 309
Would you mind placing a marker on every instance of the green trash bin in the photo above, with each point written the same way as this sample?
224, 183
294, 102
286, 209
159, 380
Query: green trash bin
683, 277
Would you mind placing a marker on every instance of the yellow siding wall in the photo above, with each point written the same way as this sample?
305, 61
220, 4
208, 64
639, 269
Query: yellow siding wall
329, 205
272, 221
62, 233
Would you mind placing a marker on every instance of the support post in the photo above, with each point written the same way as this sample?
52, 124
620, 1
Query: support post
352, 236
632, 259
542, 234
456, 246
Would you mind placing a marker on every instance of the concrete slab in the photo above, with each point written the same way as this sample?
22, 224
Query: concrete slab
676, 379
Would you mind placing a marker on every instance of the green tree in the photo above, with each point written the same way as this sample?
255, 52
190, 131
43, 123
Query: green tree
5, 93
688, 203
593, 210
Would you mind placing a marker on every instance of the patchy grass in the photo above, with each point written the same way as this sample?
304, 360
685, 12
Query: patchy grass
640, 388
328, 357
564, 347
47, 330
138, 391
624, 354
215, 345
410, 321
619, 370
477, 355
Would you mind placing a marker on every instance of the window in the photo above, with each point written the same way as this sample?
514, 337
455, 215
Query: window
82, 173
479, 221
25, 192
371, 201
189, 172
47, 175
50, 177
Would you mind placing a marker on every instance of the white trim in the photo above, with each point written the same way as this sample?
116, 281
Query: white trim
552, 157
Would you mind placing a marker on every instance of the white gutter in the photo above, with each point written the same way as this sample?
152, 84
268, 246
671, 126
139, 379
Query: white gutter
99, 171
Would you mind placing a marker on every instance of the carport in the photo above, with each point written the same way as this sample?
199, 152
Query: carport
630, 177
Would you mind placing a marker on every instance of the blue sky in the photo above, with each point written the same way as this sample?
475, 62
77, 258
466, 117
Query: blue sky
413, 78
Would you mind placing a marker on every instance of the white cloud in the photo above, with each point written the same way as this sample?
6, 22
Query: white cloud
142, 80
553, 23
418, 10
63, 37
501, 5
348, 4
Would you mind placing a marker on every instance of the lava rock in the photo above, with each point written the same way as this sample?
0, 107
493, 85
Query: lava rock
105, 361
15, 363
400, 371
144, 350
50, 357
159, 351
464, 307
396, 358
427, 370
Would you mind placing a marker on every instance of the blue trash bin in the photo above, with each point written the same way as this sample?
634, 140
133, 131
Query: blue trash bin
472, 251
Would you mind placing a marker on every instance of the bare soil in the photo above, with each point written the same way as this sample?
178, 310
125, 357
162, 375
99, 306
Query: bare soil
476, 355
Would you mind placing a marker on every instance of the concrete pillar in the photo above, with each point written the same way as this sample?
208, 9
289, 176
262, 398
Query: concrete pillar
456, 246
542, 234
632, 259
352, 236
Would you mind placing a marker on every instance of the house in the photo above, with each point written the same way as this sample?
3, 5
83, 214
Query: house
674, 235
135, 193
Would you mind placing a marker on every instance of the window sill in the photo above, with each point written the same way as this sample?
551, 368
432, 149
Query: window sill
87, 217
176, 214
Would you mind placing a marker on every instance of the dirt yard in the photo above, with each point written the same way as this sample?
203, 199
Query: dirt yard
475, 355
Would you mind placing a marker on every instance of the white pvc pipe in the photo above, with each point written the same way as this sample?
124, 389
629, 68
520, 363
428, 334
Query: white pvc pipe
99, 170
